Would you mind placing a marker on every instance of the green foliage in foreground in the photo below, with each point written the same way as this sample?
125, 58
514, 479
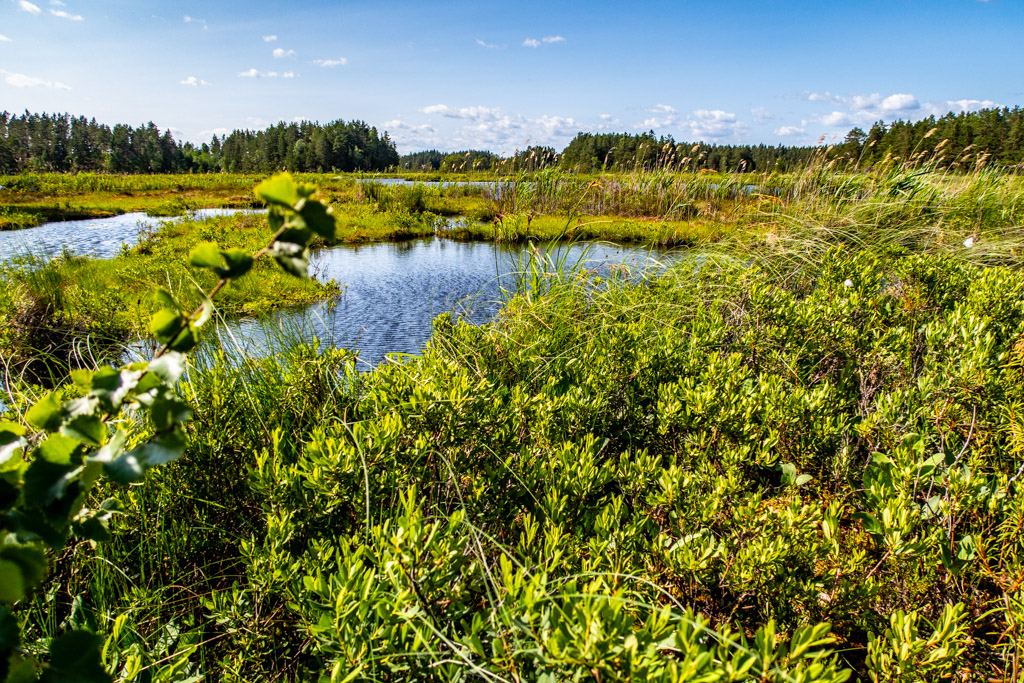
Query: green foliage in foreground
66, 442
728, 472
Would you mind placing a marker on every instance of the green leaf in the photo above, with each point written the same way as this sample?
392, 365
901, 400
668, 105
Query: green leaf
111, 386
75, 657
112, 449
46, 482
165, 299
166, 324
293, 258
280, 190
59, 450
12, 443
93, 524
165, 413
205, 255
275, 218
131, 467
88, 429
205, 312
239, 263
319, 219
12, 583
22, 568
185, 341
296, 233
45, 414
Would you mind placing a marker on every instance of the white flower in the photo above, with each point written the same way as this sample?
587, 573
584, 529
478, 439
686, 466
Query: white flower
969, 242
847, 283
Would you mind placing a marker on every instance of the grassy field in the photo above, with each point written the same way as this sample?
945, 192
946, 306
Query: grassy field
793, 456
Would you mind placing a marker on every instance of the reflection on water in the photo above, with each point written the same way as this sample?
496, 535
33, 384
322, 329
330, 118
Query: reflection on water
96, 237
393, 291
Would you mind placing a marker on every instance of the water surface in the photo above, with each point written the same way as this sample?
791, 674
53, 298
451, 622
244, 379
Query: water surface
392, 292
96, 237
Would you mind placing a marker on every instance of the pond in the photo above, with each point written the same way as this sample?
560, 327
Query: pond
96, 237
392, 292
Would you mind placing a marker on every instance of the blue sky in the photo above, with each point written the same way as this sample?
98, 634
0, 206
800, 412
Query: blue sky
500, 76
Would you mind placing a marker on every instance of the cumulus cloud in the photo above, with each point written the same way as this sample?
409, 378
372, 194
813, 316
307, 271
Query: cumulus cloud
23, 81
608, 122
341, 61
761, 114
863, 110
256, 73
65, 15
702, 124
489, 46
288, 74
281, 52
193, 81
491, 128
29, 7
546, 40
4, 39
787, 131
969, 105
194, 20
714, 124
874, 102
664, 116
269, 39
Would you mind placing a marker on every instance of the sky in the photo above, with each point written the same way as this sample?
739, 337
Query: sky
502, 76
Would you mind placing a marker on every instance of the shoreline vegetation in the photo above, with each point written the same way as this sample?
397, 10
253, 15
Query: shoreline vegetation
796, 454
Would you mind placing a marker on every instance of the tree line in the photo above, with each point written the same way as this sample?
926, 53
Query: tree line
65, 144
62, 143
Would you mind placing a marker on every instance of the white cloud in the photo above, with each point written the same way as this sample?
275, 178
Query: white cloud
256, 73
341, 61
836, 118
761, 114
194, 20
486, 128
281, 52
4, 39
288, 74
489, 46
205, 135
58, 3
969, 105
546, 40
23, 81
193, 81
786, 131
269, 39
715, 124
664, 116
702, 124
64, 15
900, 102
29, 7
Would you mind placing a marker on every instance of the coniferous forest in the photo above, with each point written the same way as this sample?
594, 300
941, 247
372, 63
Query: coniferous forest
63, 143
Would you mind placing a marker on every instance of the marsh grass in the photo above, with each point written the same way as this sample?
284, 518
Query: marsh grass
624, 475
